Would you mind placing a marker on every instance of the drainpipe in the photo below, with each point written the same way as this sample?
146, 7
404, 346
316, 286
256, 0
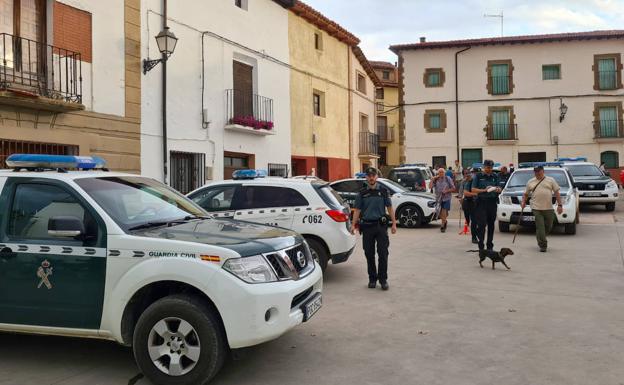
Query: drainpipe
457, 101
164, 100
350, 109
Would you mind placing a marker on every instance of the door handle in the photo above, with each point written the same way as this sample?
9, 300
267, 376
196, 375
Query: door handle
7, 253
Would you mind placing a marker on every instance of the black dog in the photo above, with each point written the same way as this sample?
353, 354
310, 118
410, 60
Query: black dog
495, 256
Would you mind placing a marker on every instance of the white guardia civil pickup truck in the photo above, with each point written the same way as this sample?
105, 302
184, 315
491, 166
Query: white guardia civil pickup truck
123, 257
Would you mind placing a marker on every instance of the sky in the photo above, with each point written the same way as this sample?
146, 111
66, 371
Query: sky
380, 23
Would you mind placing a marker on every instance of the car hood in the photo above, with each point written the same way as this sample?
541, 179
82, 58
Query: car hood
419, 194
245, 238
593, 179
518, 191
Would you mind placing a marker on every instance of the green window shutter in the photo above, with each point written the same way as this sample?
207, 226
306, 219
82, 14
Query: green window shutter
434, 121
500, 125
433, 79
607, 74
551, 72
608, 122
470, 156
610, 159
500, 79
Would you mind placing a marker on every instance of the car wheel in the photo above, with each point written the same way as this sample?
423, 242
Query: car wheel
570, 228
318, 252
610, 206
503, 227
410, 216
179, 340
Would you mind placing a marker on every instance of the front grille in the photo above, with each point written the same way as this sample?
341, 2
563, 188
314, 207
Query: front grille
299, 298
518, 200
592, 187
274, 261
293, 255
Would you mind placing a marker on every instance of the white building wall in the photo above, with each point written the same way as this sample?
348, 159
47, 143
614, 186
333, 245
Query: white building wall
259, 36
536, 102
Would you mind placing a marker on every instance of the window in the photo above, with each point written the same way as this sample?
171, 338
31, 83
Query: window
435, 120
237, 162
258, 197
383, 156
500, 77
361, 83
611, 159
8, 147
187, 171
278, 169
215, 199
380, 106
318, 41
318, 103
380, 93
607, 72
608, 120
35, 204
551, 71
385, 75
471, 156
434, 77
350, 186
363, 123
242, 4
501, 123
382, 128
438, 161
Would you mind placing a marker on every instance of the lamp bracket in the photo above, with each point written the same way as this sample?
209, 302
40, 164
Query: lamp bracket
148, 64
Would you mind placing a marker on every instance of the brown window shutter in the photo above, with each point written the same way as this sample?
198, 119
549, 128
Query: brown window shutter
596, 75
426, 121
596, 119
511, 82
488, 71
442, 77
618, 61
443, 120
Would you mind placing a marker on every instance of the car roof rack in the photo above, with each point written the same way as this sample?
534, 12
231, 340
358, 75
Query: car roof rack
575, 159
536, 164
60, 163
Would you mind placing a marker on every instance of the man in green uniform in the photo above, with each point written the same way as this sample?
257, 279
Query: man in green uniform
486, 186
370, 218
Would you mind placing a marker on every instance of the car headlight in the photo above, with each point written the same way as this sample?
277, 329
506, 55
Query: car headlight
251, 269
565, 199
431, 203
505, 199
611, 184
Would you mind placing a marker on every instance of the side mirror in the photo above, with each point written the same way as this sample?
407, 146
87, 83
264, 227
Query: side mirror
577, 185
607, 173
65, 226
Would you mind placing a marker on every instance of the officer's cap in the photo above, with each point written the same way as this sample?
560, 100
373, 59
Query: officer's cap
488, 163
371, 171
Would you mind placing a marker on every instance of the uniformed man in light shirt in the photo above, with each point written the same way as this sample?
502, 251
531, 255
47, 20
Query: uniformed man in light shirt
541, 190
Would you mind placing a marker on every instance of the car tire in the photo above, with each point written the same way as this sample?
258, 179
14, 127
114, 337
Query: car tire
318, 252
610, 206
570, 228
202, 346
410, 216
503, 227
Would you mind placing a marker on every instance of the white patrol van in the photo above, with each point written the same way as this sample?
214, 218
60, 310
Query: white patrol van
123, 257
510, 199
413, 176
310, 208
594, 186
412, 209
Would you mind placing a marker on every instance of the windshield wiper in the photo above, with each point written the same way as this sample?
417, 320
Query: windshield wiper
148, 225
167, 223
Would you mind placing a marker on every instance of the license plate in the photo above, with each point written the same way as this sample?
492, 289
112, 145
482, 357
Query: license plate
311, 306
528, 218
592, 194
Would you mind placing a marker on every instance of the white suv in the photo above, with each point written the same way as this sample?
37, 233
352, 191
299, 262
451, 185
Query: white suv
594, 186
310, 208
511, 198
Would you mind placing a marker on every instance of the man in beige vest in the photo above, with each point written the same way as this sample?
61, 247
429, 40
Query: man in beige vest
541, 190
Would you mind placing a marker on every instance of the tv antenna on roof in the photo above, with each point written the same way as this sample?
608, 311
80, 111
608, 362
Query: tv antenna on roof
501, 16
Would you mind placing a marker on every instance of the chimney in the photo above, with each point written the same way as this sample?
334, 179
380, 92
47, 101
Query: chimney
423, 39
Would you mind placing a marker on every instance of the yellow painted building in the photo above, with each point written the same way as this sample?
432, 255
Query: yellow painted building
321, 55
387, 98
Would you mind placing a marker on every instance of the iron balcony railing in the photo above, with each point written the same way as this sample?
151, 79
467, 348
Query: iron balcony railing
249, 109
608, 129
369, 143
607, 80
385, 133
502, 131
42, 69
500, 84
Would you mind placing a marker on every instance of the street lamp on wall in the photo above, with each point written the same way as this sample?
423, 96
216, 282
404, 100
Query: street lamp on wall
166, 42
563, 109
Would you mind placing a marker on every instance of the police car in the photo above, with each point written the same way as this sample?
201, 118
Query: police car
310, 208
412, 209
509, 206
413, 176
594, 186
122, 257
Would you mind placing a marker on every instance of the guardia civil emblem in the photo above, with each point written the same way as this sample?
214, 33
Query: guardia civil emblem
44, 272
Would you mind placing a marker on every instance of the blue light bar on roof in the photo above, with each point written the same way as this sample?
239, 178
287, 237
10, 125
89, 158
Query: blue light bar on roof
360, 175
248, 174
576, 159
414, 165
54, 161
480, 165
543, 164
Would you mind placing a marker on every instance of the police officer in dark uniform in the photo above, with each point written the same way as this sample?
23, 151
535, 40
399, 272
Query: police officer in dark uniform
486, 185
371, 220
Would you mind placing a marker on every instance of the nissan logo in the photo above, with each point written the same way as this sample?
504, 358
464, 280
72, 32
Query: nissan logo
591, 186
301, 259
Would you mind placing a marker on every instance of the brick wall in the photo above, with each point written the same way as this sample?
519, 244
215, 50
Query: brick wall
72, 30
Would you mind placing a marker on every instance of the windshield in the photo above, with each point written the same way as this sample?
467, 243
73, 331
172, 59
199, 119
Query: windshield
520, 178
137, 201
394, 186
584, 170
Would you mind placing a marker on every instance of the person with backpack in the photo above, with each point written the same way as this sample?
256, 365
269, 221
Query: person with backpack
444, 187
486, 186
